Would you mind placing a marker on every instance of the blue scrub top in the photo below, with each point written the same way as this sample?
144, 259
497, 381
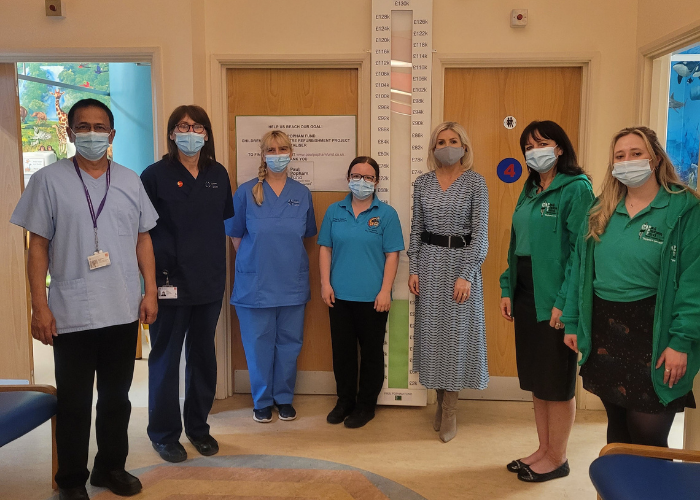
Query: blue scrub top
189, 241
272, 266
359, 247
54, 206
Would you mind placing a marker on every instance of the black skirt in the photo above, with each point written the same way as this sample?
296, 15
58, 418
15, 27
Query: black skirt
546, 366
618, 369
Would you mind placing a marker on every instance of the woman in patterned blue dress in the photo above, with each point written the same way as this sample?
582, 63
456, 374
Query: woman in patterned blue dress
449, 241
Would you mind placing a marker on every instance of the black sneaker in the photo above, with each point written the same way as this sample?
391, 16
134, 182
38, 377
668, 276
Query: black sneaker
286, 412
339, 413
77, 493
118, 482
171, 452
206, 445
263, 415
359, 417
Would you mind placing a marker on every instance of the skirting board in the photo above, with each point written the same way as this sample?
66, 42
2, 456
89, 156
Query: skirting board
499, 389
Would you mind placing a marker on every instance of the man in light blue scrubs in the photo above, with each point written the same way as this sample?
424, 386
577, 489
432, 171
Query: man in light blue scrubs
88, 220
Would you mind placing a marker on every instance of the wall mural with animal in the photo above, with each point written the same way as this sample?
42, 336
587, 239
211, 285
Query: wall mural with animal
44, 107
683, 126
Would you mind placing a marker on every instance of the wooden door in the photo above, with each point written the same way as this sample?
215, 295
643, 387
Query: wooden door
280, 92
15, 340
480, 99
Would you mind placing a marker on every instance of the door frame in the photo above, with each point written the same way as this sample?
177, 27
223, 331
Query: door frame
589, 62
217, 104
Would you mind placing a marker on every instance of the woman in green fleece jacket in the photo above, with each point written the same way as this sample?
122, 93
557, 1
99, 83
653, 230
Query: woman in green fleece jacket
546, 222
632, 306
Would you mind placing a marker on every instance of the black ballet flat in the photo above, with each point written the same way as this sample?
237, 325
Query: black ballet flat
516, 466
529, 476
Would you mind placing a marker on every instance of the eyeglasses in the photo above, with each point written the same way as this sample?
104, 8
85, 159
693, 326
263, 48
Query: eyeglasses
357, 177
83, 128
186, 127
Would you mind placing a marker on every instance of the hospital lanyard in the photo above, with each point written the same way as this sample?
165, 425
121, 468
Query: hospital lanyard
89, 200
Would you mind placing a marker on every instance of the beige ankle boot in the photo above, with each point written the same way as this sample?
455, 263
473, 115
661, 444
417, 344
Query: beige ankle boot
438, 410
448, 426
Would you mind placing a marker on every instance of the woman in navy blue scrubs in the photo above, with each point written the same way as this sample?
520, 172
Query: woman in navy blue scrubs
192, 195
274, 214
360, 242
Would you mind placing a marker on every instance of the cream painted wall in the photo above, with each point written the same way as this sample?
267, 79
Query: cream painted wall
658, 19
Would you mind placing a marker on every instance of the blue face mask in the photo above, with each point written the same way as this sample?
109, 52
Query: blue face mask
541, 160
189, 142
277, 163
632, 173
91, 145
361, 189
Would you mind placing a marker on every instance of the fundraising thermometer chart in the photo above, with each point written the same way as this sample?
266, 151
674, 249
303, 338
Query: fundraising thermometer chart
401, 89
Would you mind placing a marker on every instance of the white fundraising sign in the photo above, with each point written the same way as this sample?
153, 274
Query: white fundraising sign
322, 147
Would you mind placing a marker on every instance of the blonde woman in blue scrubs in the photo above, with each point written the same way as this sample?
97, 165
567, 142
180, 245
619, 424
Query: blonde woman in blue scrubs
273, 215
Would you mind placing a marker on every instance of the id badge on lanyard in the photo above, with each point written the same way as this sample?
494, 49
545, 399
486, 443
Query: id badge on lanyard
99, 258
167, 291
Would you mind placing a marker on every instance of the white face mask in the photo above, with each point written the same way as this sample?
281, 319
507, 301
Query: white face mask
632, 173
541, 160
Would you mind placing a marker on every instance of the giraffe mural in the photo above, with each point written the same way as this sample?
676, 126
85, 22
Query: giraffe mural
61, 129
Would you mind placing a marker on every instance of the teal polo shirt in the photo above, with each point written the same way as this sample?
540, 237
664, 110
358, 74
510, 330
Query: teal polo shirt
359, 247
628, 258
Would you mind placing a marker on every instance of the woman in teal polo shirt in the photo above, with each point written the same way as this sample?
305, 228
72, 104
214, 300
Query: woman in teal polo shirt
546, 222
360, 240
632, 301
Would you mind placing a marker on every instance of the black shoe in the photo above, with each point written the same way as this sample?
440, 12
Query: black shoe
205, 445
358, 418
171, 452
529, 476
119, 482
339, 413
286, 412
263, 415
77, 493
516, 466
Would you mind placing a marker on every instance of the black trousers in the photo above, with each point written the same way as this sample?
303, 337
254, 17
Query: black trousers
195, 326
353, 322
109, 352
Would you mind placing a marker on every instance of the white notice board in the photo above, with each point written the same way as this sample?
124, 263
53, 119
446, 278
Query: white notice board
322, 147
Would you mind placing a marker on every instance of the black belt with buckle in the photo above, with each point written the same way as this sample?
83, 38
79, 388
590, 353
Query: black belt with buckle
451, 241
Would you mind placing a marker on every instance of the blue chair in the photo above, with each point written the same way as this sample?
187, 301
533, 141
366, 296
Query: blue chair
24, 408
635, 472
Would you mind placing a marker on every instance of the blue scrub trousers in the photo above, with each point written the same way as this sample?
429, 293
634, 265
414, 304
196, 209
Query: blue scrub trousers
272, 339
195, 326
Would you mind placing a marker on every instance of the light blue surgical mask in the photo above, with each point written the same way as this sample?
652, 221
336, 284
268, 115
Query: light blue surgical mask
190, 143
277, 163
91, 145
541, 160
449, 155
632, 173
361, 189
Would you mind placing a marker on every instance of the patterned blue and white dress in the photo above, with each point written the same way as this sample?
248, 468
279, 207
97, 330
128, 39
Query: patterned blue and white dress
450, 338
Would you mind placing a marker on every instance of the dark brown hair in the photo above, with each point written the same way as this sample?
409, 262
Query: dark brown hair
207, 155
365, 159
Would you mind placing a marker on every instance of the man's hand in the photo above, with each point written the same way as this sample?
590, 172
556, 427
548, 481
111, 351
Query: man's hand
149, 309
43, 325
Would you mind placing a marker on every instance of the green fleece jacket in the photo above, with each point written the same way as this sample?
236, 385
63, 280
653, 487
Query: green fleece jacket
556, 218
677, 314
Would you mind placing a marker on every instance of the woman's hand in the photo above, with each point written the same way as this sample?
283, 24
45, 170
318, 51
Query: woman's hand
413, 284
462, 290
571, 341
675, 362
328, 295
505, 308
554, 321
383, 301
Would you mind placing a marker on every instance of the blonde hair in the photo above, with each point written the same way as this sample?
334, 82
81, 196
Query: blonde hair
613, 190
282, 139
467, 160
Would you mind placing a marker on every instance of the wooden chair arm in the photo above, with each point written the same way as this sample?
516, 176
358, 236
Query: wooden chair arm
651, 451
48, 389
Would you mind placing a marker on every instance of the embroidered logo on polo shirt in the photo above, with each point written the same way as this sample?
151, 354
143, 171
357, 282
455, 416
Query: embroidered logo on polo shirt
212, 185
293, 203
373, 222
548, 210
650, 233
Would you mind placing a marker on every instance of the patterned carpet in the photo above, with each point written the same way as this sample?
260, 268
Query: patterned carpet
261, 477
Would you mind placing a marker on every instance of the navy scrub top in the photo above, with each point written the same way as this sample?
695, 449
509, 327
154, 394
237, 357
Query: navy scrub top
189, 241
272, 266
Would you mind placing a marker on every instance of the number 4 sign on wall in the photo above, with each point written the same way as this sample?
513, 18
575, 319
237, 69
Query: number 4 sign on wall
509, 170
